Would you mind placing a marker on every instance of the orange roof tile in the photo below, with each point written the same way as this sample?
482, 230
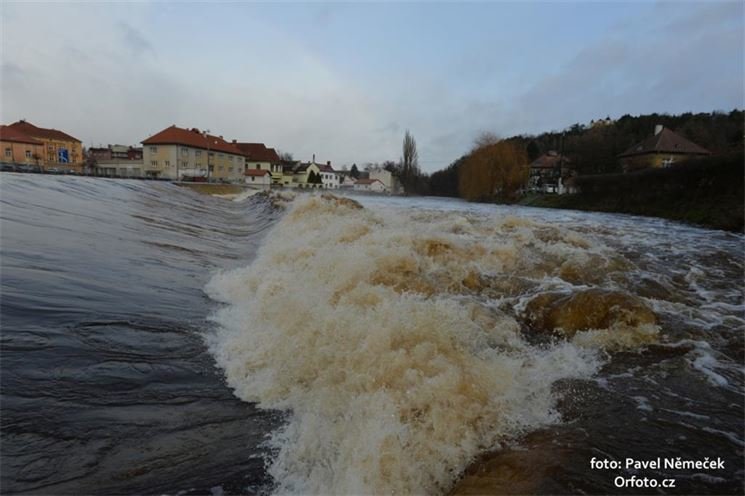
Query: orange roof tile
8, 133
258, 152
191, 137
41, 133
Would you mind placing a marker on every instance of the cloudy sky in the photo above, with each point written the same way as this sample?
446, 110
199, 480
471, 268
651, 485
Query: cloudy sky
345, 80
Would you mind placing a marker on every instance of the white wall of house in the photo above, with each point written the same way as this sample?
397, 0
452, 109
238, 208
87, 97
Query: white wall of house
330, 180
374, 187
264, 181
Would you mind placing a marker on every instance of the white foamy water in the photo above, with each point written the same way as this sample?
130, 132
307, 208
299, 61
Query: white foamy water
392, 338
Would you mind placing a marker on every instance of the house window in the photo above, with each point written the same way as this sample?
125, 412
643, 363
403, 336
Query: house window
198, 153
28, 153
212, 154
230, 157
154, 163
8, 152
153, 149
168, 163
184, 151
220, 155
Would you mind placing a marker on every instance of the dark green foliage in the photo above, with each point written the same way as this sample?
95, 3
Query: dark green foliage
354, 171
708, 191
314, 178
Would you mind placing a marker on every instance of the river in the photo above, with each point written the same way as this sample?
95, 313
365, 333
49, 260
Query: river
155, 340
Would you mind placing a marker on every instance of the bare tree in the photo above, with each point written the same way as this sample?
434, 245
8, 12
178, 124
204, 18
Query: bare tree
485, 138
285, 156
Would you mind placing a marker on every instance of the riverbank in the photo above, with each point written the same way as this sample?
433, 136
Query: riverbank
705, 192
214, 188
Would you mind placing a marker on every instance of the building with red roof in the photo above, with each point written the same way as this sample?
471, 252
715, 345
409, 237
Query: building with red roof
20, 148
59, 149
181, 153
259, 157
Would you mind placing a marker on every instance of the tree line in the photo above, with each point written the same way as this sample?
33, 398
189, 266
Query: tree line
493, 169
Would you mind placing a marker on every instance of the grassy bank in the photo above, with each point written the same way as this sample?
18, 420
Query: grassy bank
214, 189
708, 192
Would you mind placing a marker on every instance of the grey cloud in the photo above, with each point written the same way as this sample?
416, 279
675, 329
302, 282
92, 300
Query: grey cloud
134, 39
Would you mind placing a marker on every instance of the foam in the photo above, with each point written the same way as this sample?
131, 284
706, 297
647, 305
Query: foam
391, 338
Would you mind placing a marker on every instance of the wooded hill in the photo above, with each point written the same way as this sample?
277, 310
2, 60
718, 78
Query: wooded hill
594, 148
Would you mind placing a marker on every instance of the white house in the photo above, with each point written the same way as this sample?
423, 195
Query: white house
330, 179
370, 185
260, 178
346, 181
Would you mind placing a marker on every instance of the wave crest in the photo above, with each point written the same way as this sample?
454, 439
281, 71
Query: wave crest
394, 340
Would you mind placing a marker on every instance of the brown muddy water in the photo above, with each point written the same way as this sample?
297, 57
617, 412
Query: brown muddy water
155, 340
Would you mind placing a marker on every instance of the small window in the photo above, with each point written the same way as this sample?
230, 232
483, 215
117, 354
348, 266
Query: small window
28, 153
154, 163
8, 152
153, 149
168, 163
184, 151
198, 153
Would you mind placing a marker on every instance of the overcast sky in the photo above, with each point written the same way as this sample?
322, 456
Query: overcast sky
344, 81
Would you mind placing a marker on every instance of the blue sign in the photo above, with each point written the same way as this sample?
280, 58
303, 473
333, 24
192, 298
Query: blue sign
62, 156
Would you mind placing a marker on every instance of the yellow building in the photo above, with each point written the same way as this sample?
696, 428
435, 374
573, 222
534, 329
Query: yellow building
60, 150
18, 148
298, 175
177, 153
663, 149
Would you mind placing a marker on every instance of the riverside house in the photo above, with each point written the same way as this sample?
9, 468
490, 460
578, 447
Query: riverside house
179, 153
330, 179
19, 148
301, 175
551, 173
258, 178
259, 157
370, 185
662, 149
59, 149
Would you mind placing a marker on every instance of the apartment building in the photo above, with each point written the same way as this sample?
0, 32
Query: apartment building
178, 153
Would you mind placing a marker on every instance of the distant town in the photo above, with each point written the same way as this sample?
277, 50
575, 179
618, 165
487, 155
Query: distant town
684, 167
182, 154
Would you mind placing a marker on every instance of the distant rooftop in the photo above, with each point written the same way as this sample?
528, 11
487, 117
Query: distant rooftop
665, 141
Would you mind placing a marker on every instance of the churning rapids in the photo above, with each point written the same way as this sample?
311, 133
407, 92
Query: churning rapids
157, 341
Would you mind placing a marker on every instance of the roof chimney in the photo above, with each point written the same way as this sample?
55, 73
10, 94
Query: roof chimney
328, 162
235, 141
658, 129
